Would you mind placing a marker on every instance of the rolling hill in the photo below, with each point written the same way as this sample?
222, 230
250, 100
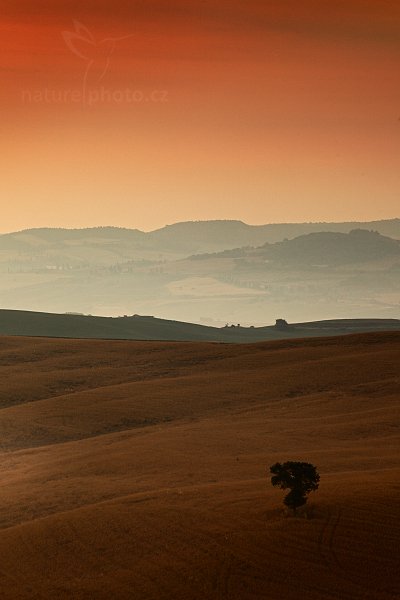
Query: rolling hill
136, 327
327, 249
105, 246
139, 469
336, 249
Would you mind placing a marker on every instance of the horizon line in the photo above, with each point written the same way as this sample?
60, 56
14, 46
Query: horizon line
122, 227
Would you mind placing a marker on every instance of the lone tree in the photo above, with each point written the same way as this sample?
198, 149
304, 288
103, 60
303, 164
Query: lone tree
281, 324
300, 478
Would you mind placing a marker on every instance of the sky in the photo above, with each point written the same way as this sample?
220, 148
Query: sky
140, 113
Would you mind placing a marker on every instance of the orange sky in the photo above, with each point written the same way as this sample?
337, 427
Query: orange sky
261, 110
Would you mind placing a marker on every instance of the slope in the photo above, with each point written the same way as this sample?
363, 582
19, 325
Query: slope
138, 470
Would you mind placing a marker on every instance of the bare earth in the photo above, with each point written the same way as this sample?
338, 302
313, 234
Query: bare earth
138, 470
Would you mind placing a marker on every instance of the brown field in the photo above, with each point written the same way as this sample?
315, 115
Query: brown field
137, 470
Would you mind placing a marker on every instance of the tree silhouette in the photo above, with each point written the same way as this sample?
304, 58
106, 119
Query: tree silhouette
300, 478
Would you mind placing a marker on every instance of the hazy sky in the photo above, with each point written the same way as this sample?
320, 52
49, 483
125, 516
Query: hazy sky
142, 113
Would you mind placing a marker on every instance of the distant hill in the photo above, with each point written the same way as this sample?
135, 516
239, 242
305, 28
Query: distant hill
25, 323
327, 248
71, 248
323, 248
358, 246
233, 234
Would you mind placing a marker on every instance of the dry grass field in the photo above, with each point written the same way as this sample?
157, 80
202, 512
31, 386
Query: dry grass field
138, 470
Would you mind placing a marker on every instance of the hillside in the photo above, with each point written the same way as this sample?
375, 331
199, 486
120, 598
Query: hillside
104, 246
138, 327
139, 470
334, 249
322, 249
233, 234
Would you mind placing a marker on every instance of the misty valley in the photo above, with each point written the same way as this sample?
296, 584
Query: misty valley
208, 272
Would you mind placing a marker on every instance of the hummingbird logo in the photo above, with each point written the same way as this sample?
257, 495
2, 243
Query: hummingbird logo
96, 54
